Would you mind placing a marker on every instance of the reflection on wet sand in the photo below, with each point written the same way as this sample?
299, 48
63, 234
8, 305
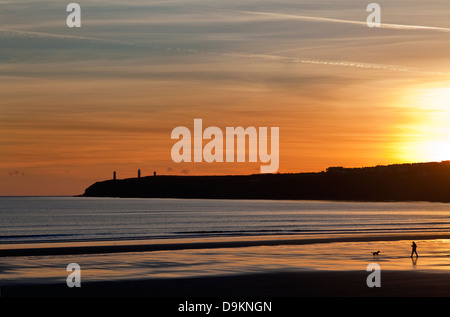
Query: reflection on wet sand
335, 256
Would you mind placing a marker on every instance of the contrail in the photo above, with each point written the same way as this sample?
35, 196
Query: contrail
331, 20
60, 36
335, 63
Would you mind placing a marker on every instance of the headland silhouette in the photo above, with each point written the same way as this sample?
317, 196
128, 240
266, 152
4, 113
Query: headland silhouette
398, 182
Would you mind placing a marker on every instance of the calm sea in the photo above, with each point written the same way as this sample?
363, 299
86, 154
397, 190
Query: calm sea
53, 219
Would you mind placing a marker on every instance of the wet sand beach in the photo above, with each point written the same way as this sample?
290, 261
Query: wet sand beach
284, 267
272, 285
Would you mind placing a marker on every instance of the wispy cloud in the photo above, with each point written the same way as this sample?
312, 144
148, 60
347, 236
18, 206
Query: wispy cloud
332, 20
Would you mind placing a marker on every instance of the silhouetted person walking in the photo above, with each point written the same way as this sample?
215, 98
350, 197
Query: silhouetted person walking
414, 249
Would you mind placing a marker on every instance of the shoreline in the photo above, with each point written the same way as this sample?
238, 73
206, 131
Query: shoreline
265, 268
116, 246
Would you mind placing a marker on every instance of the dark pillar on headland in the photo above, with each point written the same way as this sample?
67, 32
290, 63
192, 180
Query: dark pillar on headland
154, 173
139, 173
114, 175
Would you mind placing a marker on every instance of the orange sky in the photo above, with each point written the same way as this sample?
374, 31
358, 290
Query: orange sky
73, 109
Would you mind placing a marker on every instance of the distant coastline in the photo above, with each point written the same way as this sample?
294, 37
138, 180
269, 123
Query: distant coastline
398, 182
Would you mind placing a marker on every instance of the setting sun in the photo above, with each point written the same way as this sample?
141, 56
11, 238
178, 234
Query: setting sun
426, 137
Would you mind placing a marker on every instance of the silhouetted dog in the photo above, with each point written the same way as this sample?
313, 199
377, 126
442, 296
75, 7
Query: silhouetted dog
376, 253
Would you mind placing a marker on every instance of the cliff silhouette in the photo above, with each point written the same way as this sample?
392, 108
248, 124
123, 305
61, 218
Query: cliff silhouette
399, 182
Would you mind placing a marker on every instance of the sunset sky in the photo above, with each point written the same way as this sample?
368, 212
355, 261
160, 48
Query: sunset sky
77, 104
